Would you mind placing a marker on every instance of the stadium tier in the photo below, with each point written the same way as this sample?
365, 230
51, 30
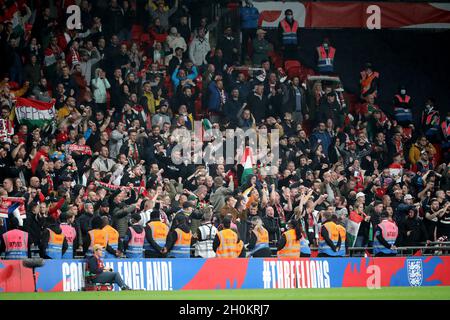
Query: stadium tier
170, 145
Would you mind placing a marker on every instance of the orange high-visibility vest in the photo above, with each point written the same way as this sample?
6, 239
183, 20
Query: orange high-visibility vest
325, 59
333, 234
366, 81
228, 247
292, 247
289, 33
97, 236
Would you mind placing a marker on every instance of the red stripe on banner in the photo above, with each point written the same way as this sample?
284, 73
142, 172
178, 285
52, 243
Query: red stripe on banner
392, 15
22, 102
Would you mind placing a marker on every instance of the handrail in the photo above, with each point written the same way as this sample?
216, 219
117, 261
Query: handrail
429, 249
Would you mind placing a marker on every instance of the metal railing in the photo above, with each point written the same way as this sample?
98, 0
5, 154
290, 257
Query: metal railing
433, 248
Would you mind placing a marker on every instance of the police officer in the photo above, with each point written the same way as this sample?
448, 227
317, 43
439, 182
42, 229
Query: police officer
15, 243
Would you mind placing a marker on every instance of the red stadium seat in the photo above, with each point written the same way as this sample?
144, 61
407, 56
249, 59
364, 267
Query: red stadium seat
136, 32
277, 61
293, 68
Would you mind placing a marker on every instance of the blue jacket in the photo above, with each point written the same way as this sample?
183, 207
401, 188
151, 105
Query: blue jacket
325, 141
249, 17
214, 97
176, 80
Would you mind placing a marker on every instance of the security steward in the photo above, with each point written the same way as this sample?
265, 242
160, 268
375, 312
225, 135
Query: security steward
343, 236
155, 236
54, 243
134, 239
15, 243
113, 238
305, 250
386, 234
69, 232
369, 82
329, 238
288, 33
259, 239
325, 53
178, 241
289, 243
226, 242
98, 236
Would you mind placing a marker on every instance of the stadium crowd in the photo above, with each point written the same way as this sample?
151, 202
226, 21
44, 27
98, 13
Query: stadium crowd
103, 171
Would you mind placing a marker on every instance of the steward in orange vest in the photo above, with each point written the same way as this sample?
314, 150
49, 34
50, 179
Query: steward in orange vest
329, 237
98, 236
369, 82
325, 53
289, 243
402, 108
155, 235
113, 238
259, 239
226, 242
288, 35
430, 121
53, 243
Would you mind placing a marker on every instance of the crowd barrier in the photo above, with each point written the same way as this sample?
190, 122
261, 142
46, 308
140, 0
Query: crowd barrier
252, 273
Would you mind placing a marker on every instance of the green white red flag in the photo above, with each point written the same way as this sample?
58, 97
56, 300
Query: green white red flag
35, 113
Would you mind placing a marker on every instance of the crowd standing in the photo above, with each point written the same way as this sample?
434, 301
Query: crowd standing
104, 176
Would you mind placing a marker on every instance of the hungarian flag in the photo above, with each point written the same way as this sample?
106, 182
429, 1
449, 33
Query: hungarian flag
353, 223
35, 113
247, 163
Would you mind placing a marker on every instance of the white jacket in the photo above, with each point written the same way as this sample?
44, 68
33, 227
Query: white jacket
198, 49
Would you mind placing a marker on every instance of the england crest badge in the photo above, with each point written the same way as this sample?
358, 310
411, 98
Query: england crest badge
415, 272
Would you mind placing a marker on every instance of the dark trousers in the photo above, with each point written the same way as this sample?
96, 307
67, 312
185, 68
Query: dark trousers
152, 254
246, 34
110, 277
290, 52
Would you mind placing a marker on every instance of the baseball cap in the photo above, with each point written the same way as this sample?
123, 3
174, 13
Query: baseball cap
360, 194
408, 197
